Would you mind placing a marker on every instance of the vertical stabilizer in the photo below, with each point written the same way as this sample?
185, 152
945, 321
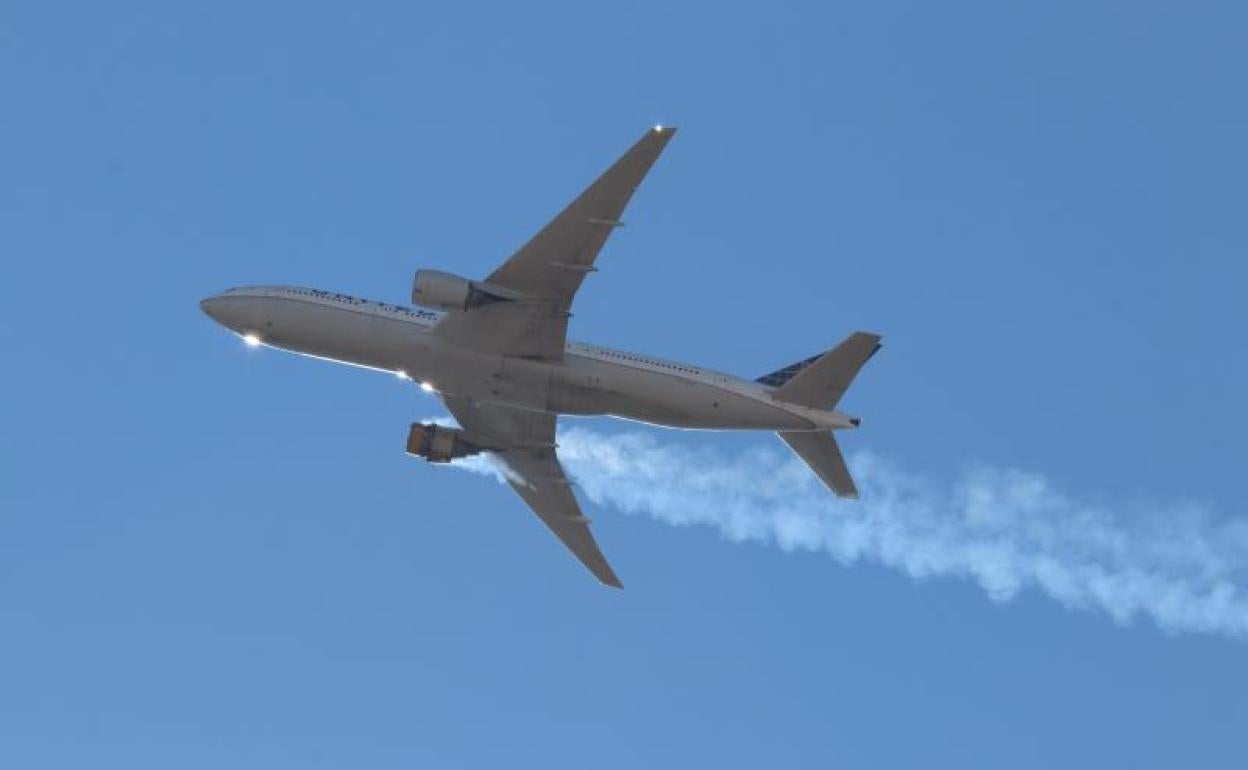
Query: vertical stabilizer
821, 383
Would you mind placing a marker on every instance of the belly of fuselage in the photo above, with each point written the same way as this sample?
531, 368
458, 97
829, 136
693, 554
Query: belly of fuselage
578, 385
341, 334
589, 386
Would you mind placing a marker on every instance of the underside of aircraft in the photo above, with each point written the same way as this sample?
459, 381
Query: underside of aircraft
496, 353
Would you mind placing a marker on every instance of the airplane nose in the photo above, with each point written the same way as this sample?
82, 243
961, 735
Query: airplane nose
212, 307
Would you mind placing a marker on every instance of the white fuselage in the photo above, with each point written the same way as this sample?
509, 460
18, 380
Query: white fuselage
589, 380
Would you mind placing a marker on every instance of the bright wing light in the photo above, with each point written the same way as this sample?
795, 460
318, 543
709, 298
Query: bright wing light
252, 340
427, 387
402, 375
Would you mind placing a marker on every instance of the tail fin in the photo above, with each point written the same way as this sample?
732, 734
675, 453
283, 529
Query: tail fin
821, 382
780, 376
820, 452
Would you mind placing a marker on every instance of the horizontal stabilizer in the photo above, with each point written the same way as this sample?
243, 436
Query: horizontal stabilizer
821, 384
821, 453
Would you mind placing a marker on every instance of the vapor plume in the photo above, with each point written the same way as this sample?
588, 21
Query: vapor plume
1180, 564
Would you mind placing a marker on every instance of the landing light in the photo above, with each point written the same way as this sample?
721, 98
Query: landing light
402, 375
427, 387
658, 128
252, 340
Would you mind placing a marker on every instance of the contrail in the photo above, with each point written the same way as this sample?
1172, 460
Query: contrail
1180, 564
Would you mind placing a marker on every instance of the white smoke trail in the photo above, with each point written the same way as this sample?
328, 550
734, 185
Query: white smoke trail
1008, 530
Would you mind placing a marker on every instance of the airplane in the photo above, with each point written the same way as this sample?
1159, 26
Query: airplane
496, 353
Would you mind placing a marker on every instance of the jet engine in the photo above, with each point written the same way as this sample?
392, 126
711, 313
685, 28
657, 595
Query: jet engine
446, 291
438, 444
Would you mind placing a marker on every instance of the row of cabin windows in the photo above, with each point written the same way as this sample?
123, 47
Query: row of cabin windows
355, 301
431, 316
639, 359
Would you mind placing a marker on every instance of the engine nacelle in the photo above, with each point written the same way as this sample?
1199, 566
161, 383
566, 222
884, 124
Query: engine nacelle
438, 444
447, 291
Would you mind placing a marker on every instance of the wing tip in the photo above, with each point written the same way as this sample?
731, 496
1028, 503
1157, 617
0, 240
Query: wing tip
658, 136
607, 576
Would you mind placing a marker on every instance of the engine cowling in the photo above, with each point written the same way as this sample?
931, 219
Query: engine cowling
438, 444
439, 290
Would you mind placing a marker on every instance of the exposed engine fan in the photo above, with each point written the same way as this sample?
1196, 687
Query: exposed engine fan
439, 444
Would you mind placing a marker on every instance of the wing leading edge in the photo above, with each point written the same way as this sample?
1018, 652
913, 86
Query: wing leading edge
554, 262
549, 269
524, 445
545, 275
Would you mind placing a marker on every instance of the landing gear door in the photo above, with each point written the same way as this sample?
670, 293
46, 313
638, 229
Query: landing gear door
522, 383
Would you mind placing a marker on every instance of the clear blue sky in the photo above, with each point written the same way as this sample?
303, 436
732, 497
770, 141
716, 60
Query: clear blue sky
212, 556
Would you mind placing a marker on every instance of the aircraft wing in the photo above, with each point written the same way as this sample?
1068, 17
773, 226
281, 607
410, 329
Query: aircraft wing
523, 442
549, 269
